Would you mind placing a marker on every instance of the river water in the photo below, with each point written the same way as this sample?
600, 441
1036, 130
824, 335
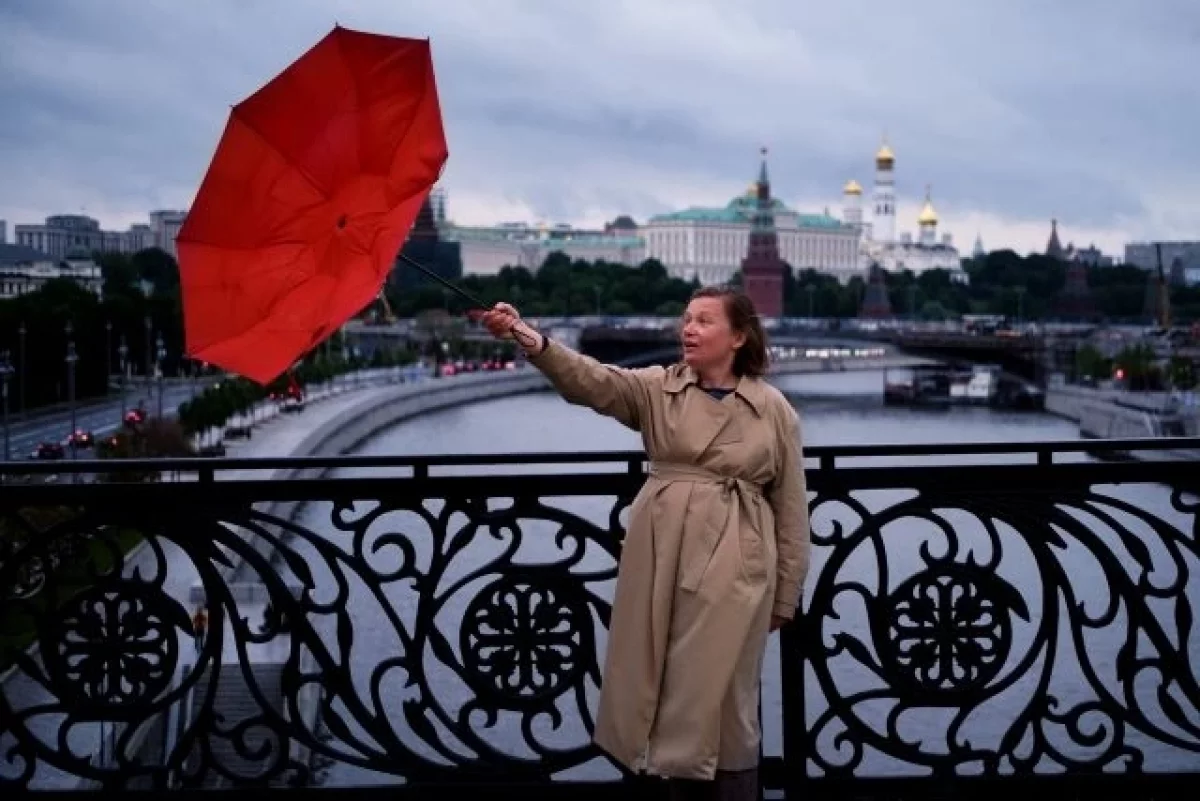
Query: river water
836, 409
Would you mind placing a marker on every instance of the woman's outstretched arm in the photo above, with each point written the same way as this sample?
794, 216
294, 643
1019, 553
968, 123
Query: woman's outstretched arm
614, 391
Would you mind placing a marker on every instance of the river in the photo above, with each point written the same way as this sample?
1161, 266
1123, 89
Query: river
836, 409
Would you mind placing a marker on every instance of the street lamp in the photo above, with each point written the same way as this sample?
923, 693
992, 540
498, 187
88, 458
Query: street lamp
71, 359
149, 345
107, 354
162, 354
122, 352
21, 356
6, 371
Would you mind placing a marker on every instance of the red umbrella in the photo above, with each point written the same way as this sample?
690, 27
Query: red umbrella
314, 186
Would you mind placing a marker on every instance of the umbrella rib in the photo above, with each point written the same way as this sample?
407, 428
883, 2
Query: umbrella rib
293, 165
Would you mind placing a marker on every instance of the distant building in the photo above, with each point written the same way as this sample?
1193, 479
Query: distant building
164, 228
487, 249
1054, 248
978, 251
708, 243
762, 269
880, 245
1179, 257
1091, 256
64, 235
437, 204
3, 232
24, 270
426, 247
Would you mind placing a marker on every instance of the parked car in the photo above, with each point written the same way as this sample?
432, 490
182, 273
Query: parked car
80, 439
48, 451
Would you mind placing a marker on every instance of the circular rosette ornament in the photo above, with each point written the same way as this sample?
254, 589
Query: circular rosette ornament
113, 647
524, 639
946, 631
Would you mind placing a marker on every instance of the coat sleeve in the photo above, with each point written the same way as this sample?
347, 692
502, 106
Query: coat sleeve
621, 393
788, 497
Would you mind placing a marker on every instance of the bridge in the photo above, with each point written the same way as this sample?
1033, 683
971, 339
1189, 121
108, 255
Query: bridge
1019, 356
433, 627
788, 361
627, 341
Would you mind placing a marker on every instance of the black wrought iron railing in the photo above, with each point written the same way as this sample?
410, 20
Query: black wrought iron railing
978, 618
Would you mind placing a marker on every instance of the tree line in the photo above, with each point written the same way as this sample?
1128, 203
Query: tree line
145, 287
1001, 283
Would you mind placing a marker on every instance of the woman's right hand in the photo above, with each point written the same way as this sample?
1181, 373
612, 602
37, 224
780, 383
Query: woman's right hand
500, 319
504, 322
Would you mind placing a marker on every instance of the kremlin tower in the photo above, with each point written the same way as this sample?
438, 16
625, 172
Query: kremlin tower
762, 269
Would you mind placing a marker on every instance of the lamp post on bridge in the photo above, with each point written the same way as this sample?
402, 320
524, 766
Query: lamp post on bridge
107, 355
21, 357
71, 359
161, 352
122, 353
6, 371
149, 352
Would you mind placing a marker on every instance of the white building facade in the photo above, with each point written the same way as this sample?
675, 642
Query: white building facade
709, 244
24, 270
65, 235
880, 244
487, 250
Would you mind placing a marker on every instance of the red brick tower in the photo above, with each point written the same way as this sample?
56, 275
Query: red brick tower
762, 269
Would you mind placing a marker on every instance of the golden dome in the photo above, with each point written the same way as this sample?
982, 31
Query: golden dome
852, 188
885, 154
752, 190
927, 216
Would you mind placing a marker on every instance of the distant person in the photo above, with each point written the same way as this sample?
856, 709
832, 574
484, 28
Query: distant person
717, 548
200, 627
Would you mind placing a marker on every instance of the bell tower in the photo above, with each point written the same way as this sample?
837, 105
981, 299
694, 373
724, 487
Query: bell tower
884, 199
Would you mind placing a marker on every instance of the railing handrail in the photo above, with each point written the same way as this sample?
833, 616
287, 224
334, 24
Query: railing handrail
826, 455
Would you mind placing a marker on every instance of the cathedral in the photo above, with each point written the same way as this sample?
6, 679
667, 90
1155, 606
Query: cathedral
879, 244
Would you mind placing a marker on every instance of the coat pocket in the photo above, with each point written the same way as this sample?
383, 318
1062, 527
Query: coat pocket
753, 546
699, 548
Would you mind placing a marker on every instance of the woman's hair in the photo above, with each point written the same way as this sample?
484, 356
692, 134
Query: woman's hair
751, 358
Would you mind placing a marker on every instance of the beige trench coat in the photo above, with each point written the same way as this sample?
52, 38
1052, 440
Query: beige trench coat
717, 542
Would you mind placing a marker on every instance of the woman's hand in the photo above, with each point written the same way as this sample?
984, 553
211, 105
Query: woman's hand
499, 320
778, 622
504, 322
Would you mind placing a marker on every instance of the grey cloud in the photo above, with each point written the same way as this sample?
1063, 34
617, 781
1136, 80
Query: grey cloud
1083, 109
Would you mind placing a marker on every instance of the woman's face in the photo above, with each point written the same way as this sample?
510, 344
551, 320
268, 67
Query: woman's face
709, 341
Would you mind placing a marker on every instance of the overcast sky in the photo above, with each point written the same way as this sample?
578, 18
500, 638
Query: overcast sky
1015, 111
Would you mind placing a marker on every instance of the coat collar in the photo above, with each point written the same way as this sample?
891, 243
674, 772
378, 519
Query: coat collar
680, 377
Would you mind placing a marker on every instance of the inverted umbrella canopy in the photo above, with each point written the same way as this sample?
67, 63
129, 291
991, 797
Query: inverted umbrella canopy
315, 183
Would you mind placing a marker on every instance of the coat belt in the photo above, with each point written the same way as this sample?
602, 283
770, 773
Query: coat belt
679, 471
739, 494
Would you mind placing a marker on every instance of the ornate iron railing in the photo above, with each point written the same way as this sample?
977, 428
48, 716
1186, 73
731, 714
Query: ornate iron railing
981, 617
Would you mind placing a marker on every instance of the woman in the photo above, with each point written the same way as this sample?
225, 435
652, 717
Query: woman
717, 546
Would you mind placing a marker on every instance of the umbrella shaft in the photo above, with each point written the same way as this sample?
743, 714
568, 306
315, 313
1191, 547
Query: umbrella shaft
460, 292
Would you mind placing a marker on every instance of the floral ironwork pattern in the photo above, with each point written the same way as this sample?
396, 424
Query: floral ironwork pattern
955, 622
400, 635
1001, 632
